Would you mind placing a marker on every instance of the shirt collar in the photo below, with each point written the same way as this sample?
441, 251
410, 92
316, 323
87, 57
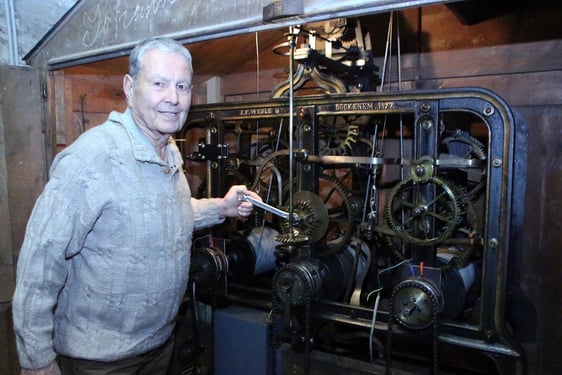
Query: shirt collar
143, 150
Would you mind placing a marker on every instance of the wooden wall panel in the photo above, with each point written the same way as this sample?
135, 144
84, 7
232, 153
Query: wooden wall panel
83, 101
527, 73
6, 253
24, 155
99, 93
540, 277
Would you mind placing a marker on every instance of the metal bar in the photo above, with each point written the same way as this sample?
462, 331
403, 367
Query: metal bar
12, 33
292, 41
264, 206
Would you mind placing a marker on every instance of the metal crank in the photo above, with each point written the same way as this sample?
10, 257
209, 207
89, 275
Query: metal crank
269, 208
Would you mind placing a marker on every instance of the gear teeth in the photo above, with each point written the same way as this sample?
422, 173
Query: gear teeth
303, 209
341, 147
313, 219
442, 233
477, 147
287, 239
478, 150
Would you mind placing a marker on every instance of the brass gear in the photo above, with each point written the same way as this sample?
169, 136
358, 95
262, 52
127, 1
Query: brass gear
312, 223
422, 169
467, 228
296, 239
328, 216
420, 220
477, 149
335, 145
342, 211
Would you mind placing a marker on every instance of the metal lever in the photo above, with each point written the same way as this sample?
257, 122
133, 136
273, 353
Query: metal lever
269, 208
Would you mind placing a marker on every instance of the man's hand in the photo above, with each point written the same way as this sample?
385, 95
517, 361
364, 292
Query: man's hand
51, 369
232, 206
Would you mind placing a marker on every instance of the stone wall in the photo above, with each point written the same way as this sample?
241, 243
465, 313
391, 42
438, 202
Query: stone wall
27, 21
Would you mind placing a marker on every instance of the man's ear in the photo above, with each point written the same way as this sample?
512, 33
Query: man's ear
128, 86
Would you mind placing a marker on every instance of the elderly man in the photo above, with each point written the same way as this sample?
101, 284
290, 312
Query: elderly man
105, 260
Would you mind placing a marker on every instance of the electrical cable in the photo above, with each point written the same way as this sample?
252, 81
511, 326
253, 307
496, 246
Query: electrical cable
373, 321
390, 268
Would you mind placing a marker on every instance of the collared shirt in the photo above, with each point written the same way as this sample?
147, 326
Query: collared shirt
105, 260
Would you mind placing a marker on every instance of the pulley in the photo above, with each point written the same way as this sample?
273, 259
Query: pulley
208, 264
416, 302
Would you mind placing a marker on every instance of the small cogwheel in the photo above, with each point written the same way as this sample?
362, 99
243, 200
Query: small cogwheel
422, 170
295, 239
312, 223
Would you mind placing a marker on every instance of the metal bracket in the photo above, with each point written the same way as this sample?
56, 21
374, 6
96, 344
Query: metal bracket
210, 152
282, 9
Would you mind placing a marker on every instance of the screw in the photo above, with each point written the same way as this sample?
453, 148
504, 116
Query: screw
426, 124
419, 211
425, 107
489, 335
496, 163
488, 111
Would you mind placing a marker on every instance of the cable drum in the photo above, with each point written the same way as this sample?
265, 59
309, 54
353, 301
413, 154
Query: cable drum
262, 243
416, 301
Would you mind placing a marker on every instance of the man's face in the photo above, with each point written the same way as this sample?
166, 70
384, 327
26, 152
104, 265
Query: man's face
160, 97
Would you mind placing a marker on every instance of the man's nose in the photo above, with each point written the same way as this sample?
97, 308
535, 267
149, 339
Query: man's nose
172, 94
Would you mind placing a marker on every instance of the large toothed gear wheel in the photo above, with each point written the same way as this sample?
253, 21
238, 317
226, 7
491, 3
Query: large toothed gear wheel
475, 147
337, 146
342, 211
423, 213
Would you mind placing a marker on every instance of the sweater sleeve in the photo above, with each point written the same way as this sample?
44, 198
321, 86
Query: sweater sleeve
206, 213
56, 230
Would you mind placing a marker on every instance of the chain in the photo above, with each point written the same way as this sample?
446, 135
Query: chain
282, 310
435, 323
307, 328
388, 359
188, 353
275, 341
